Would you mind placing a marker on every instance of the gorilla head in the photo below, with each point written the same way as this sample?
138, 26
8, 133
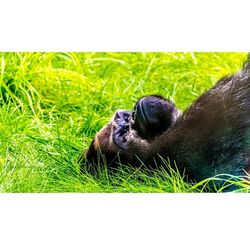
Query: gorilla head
126, 138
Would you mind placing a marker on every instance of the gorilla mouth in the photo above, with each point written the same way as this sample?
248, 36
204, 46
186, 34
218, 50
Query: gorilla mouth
152, 116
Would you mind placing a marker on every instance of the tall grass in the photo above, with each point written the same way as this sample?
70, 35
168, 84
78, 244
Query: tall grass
52, 104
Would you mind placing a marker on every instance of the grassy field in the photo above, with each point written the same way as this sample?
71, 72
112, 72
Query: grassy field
52, 104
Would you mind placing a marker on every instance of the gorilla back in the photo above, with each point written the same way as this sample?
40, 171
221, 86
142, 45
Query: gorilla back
211, 137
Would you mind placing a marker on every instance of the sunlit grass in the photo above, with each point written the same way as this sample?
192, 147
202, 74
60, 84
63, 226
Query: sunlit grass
52, 104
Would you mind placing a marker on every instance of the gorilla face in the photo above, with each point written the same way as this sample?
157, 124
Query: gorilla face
126, 138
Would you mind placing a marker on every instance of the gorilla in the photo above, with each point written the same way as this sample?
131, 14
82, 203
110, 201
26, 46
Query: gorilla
211, 137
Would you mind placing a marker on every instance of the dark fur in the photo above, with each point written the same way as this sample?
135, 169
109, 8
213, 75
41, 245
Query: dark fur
211, 137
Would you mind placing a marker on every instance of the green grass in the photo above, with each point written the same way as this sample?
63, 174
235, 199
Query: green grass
52, 104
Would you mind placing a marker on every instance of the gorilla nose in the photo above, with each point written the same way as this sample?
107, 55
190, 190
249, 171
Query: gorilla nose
122, 115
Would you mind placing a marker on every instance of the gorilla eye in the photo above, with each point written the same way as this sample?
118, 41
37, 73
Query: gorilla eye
122, 127
133, 115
